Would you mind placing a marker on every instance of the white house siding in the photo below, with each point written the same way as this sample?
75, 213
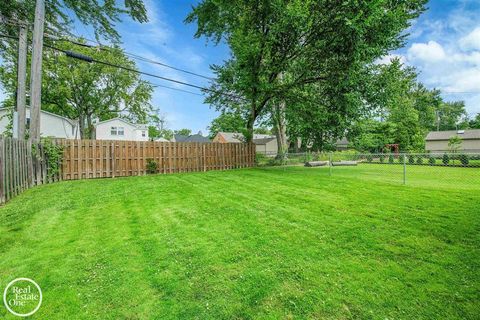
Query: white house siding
50, 125
130, 132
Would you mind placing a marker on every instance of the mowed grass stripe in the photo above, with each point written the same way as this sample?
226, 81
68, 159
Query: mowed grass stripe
254, 243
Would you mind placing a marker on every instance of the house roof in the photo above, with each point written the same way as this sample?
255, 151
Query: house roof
232, 136
191, 138
263, 140
72, 122
197, 138
445, 135
238, 137
138, 126
180, 137
342, 142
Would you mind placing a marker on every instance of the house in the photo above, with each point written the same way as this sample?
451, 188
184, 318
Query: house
236, 137
120, 129
264, 143
191, 138
341, 144
228, 137
267, 146
437, 141
161, 140
51, 125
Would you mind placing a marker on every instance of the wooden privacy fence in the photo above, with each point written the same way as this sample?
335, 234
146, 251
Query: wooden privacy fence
86, 159
23, 164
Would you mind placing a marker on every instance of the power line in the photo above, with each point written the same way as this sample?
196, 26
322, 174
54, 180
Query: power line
98, 45
90, 60
176, 89
132, 55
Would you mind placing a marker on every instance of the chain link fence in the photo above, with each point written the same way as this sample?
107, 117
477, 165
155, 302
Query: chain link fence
457, 170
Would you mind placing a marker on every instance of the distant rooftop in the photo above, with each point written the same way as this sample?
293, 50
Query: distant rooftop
462, 134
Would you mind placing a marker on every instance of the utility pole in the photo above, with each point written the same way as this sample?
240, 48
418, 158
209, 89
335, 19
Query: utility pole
36, 71
21, 80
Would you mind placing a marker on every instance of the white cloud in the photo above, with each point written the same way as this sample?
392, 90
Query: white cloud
472, 40
427, 52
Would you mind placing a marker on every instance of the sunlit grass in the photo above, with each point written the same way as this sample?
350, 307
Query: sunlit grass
255, 243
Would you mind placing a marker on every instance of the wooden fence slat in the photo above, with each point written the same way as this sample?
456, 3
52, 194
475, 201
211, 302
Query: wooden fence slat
24, 164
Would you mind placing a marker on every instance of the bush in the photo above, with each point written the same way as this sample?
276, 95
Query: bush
382, 158
464, 159
411, 159
152, 166
420, 160
431, 160
445, 159
260, 158
369, 158
391, 158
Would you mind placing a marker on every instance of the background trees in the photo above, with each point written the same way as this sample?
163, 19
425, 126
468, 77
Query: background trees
297, 51
100, 15
87, 91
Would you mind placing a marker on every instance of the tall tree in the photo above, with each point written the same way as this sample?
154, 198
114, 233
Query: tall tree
100, 15
309, 42
87, 91
475, 122
226, 122
183, 132
450, 115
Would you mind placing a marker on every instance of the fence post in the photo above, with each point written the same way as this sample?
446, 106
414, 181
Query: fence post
404, 169
330, 164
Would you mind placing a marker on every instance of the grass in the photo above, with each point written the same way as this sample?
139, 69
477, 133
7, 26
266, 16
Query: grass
270, 243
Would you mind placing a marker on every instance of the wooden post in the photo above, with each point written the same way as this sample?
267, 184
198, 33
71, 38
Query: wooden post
36, 70
2, 170
21, 80
112, 158
204, 158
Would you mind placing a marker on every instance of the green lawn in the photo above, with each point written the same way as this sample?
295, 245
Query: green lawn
274, 243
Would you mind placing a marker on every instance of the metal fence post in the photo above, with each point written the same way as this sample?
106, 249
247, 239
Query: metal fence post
404, 169
330, 164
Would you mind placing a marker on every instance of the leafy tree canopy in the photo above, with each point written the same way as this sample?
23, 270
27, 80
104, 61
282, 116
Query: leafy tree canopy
183, 132
100, 15
279, 48
227, 122
86, 91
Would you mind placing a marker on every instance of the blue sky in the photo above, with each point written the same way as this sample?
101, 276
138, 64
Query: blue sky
444, 46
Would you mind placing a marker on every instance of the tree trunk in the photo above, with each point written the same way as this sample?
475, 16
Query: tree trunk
91, 131
281, 130
81, 126
280, 126
250, 123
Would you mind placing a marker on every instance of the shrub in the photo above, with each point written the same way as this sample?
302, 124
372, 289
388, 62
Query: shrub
411, 159
391, 158
152, 166
382, 158
53, 153
431, 160
260, 158
445, 159
464, 159
369, 158
420, 160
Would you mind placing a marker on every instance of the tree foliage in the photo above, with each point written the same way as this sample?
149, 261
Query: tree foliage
100, 15
317, 46
227, 122
87, 91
